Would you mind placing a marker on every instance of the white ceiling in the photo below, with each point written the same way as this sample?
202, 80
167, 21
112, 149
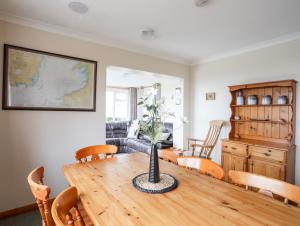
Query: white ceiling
185, 33
123, 77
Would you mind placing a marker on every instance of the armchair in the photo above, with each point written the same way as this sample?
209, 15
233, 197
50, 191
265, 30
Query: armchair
206, 146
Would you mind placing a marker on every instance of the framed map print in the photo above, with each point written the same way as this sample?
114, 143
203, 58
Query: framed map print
37, 80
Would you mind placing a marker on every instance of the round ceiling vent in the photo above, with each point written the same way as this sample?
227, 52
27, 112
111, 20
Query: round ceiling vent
78, 7
148, 33
200, 3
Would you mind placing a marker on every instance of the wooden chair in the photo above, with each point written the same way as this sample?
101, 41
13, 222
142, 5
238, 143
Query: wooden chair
41, 194
204, 166
265, 184
206, 146
94, 151
65, 209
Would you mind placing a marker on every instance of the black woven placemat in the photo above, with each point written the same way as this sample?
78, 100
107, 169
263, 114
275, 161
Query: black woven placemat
166, 184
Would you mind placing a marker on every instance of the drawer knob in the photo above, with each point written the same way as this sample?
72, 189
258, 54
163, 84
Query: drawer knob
233, 148
269, 150
266, 154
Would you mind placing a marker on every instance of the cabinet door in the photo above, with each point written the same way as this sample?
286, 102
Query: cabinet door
268, 169
233, 162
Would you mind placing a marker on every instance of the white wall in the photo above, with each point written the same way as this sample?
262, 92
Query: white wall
168, 92
32, 138
273, 63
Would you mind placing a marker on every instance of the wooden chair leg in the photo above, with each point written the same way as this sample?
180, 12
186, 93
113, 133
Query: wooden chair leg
208, 153
47, 211
201, 152
69, 220
193, 150
41, 209
79, 218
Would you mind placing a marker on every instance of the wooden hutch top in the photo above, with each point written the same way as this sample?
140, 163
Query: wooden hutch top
271, 125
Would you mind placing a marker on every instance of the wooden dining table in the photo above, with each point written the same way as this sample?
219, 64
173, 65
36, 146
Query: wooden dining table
109, 198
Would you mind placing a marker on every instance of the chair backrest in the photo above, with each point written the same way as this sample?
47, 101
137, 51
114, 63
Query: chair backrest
63, 206
212, 136
278, 187
41, 194
94, 151
205, 166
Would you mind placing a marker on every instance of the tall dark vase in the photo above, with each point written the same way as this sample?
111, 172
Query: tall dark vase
154, 176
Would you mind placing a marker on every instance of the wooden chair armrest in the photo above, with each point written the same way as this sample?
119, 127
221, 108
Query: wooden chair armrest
182, 152
193, 139
203, 146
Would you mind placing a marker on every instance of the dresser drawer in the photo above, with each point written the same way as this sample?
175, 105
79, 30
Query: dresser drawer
234, 148
268, 153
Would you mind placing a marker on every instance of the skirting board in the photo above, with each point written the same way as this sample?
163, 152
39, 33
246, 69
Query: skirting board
19, 210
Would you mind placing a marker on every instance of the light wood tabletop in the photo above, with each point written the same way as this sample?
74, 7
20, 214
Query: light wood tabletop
109, 198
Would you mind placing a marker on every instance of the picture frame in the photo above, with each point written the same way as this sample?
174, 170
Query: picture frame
211, 96
40, 80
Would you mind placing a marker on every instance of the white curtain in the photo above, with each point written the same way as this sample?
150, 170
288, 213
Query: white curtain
157, 86
132, 103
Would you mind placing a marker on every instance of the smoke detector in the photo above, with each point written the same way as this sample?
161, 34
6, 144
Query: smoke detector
148, 33
78, 7
200, 3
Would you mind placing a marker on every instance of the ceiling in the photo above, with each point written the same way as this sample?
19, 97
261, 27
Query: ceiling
184, 33
123, 77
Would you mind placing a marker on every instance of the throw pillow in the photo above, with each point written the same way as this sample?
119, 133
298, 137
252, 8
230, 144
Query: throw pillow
164, 136
134, 129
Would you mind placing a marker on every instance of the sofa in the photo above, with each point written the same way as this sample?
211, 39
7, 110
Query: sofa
116, 134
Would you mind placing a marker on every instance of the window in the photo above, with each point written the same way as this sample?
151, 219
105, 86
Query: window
116, 104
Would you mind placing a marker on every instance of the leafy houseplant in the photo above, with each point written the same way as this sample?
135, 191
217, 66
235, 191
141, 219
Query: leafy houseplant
152, 126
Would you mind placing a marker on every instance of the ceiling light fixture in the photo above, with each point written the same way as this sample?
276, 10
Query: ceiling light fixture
78, 7
148, 33
200, 3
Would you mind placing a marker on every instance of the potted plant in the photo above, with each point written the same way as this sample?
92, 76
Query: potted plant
152, 126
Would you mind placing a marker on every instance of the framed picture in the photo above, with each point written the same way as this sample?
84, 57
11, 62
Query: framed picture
210, 96
38, 80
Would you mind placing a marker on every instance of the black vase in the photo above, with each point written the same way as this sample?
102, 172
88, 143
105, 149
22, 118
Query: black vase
154, 176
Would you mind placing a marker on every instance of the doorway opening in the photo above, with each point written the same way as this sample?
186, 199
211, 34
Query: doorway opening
124, 88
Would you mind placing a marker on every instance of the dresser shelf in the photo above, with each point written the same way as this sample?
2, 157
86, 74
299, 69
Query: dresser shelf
260, 121
263, 105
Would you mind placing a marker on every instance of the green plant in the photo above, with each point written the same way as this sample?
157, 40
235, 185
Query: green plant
152, 123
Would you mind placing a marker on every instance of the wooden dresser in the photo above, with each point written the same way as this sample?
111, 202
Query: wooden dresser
262, 137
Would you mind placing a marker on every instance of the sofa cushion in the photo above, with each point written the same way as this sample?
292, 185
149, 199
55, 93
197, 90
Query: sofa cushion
113, 141
139, 145
116, 129
117, 141
121, 143
165, 144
